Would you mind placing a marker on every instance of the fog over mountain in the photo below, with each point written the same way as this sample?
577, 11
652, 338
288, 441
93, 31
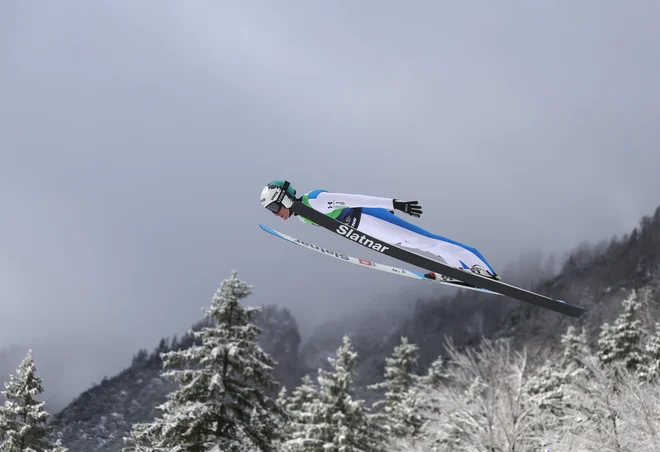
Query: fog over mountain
135, 139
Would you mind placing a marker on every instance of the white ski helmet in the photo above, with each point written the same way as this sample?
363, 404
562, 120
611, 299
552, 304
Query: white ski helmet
276, 194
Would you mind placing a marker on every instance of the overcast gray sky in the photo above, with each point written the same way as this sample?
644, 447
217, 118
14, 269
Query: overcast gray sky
135, 139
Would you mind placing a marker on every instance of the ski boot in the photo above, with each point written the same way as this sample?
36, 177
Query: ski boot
479, 270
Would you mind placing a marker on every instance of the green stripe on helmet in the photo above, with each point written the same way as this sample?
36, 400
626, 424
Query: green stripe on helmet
279, 184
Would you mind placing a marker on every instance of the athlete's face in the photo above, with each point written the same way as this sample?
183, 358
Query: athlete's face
284, 213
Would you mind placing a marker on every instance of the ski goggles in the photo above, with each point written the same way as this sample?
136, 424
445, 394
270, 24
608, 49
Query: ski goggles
274, 206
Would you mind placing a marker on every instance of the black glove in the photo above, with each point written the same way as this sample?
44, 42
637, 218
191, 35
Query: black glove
410, 207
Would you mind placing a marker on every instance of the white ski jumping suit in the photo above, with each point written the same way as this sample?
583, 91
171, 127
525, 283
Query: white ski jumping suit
374, 216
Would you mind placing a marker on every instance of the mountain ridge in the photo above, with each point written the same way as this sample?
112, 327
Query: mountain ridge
593, 276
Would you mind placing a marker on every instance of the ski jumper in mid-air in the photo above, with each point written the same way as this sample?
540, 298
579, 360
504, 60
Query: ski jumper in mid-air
375, 216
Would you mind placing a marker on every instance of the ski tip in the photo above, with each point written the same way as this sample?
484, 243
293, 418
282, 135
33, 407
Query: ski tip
267, 229
576, 311
275, 233
568, 304
580, 312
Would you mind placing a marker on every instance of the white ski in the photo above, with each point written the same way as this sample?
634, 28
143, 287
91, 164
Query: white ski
374, 265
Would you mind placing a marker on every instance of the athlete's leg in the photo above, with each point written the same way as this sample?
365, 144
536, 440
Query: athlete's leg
380, 228
454, 253
383, 230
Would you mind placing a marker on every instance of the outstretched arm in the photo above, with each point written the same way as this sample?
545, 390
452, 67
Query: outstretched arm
330, 201
337, 200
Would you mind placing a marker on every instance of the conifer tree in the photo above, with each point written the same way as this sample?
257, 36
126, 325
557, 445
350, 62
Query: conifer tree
434, 374
338, 422
398, 408
23, 419
298, 408
651, 369
575, 350
547, 386
428, 384
223, 377
282, 397
622, 342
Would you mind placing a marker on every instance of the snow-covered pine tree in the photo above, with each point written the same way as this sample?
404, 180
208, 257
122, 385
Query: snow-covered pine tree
221, 402
549, 382
298, 408
435, 374
650, 371
575, 350
282, 397
338, 422
428, 384
23, 419
545, 386
399, 414
622, 342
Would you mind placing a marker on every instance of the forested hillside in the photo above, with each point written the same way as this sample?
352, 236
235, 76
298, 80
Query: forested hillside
471, 356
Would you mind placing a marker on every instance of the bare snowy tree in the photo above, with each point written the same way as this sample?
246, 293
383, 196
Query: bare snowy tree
610, 411
480, 404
